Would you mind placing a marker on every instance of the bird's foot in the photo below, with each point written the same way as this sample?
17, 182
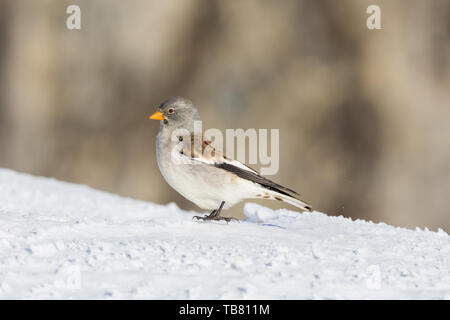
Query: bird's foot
215, 215
215, 218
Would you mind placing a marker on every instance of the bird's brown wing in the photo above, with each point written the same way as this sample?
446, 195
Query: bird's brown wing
212, 156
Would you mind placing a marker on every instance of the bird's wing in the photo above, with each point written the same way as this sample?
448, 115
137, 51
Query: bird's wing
204, 151
210, 155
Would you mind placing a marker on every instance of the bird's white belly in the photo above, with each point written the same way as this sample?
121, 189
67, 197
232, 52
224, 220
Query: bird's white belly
205, 186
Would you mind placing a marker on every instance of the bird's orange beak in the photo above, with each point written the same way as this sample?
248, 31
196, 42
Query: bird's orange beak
157, 116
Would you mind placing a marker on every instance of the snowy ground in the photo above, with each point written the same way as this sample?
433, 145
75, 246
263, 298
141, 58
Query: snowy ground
59, 240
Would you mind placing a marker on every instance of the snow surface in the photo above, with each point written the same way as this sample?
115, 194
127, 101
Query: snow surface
61, 241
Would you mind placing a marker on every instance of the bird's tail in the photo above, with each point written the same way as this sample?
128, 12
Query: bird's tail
284, 197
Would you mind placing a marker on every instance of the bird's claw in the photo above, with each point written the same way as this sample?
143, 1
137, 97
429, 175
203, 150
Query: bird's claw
219, 218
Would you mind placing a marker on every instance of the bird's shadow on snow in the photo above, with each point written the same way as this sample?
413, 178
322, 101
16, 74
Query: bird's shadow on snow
272, 225
250, 221
262, 224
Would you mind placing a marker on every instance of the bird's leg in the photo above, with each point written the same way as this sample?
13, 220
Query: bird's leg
218, 211
215, 215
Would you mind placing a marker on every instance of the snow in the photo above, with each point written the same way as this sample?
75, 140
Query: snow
66, 241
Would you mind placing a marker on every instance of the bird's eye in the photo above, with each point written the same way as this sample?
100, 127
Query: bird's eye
171, 110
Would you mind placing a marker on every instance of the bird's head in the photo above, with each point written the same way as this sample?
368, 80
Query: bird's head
176, 112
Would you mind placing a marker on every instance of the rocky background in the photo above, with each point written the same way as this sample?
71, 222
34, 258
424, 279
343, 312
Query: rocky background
363, 114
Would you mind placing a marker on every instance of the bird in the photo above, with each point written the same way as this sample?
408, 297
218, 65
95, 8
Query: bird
201, 172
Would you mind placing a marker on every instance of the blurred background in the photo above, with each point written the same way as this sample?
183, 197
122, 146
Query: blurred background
363, 114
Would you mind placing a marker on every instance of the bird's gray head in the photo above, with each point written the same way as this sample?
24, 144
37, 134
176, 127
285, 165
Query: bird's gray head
177, 112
